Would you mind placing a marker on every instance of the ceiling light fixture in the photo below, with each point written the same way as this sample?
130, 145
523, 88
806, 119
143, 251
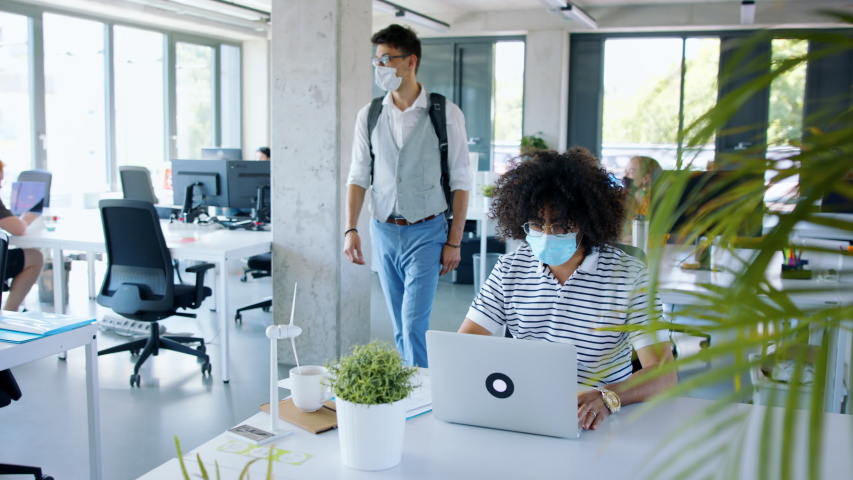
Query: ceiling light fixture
227, 8
747, 12
181, 8
410, 15
570, 12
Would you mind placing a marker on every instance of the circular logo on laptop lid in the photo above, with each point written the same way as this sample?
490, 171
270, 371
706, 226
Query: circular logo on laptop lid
499, 385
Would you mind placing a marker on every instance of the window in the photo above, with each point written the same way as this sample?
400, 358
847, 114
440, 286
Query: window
75, 104
653, 89
194, 93
15, 125
139, 105
509, 103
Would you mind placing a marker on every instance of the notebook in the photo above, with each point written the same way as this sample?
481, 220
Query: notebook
41, 323
27, 197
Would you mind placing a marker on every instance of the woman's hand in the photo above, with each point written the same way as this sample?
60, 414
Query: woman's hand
591, 409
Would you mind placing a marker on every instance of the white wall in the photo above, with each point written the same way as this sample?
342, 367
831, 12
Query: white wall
256, 96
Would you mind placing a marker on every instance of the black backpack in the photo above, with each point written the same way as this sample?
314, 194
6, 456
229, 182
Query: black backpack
439, 123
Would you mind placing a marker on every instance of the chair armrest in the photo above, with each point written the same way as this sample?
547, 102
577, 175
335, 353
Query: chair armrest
201, 267
199, 271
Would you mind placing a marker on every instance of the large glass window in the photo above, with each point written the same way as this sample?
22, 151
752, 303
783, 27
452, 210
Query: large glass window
509, 103
15, 124
653, 89
194, 77
75, 104
139, 104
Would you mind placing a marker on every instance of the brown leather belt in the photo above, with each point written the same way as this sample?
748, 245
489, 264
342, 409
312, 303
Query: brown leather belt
403, 222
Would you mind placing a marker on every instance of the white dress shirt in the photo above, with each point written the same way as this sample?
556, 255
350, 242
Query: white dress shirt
402, 123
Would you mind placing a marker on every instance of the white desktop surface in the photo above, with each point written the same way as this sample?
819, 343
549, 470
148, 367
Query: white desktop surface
81, 230
621, 449
12, 355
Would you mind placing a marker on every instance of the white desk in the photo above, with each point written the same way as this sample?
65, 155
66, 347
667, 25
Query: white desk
680, 287
621, 449
12, 355
82, 231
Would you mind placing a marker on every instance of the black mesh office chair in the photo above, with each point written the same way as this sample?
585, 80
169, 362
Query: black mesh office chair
139, 283
9, 390
42, 176
259, 266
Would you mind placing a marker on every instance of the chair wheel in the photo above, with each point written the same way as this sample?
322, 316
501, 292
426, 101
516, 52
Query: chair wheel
135, 352
135, 379
266, 309
201, 348
243, 278
206, 368
46, 477
704, 344
238, 319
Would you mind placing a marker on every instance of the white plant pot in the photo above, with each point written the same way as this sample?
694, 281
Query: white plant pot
371, 435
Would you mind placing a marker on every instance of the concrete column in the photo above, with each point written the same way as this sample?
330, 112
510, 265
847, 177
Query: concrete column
546, 86
321, 77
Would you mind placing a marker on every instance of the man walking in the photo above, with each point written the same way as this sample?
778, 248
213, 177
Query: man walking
397, 150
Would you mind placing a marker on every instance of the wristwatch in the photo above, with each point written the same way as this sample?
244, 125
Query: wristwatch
611, 400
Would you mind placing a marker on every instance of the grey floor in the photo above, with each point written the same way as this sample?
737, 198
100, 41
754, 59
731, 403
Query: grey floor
47, 427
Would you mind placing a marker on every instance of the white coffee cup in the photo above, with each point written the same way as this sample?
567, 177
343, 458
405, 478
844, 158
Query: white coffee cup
307, 389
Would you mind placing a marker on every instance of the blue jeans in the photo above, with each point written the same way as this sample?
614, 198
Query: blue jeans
409, 259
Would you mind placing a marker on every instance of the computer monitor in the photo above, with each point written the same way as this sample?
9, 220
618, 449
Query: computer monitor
219, 183
216, 153
27, 197
244, 180
703, 192
836, 201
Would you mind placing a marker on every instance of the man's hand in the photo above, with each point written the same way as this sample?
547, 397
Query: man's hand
352, 248
450, 257
591, 409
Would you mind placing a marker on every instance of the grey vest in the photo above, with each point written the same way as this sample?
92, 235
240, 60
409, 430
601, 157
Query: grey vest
409, 178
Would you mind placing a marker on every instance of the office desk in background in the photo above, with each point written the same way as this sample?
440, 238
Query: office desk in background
82, 231
621, 449
12, 355
680, 287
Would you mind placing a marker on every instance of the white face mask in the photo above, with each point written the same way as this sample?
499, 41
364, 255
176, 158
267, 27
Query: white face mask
386, 78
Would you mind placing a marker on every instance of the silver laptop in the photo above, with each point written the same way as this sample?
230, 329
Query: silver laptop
519, 385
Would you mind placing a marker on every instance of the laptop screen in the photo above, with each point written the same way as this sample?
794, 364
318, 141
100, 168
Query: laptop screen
27, 197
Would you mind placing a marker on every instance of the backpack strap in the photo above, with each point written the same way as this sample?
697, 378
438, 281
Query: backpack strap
438, 115
372, 118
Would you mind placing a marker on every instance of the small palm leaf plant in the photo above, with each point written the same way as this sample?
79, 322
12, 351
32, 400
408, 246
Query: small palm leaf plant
755, 319
371, 385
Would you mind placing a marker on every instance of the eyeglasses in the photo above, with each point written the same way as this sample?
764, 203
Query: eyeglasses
384, 60
557, 230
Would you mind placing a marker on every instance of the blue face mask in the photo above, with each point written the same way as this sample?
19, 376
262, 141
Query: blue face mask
553, 250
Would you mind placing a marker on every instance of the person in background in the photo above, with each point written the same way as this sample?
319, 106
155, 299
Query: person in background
641, 174
263, 153
567, 282
23, 265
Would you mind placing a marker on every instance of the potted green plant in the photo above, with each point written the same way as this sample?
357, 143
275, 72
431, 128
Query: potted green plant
530, 144
370, 385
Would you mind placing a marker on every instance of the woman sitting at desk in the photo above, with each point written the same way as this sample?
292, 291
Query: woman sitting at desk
23, 265
567, 281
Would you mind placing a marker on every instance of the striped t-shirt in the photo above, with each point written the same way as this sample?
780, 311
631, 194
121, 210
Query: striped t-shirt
607, 289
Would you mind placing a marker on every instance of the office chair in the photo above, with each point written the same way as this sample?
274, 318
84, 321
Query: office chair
9, 389
42, 176
139, 283
259, 266
136, 184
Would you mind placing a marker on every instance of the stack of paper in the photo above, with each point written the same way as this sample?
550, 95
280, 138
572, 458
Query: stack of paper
420, 401
22, 327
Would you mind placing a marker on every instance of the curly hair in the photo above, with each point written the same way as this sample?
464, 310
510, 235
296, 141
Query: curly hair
575, 186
